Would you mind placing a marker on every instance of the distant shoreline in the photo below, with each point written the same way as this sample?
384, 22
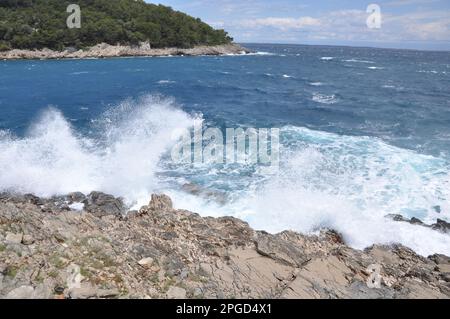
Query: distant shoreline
104, 50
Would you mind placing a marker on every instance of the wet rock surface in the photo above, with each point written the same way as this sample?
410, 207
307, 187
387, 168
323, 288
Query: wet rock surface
440, 225
48, 250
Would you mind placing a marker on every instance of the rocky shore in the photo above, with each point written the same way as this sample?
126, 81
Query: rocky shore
90, 246
104, 50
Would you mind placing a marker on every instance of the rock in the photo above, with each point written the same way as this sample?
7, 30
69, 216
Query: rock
279, 249
76, 197
160, 202
27, 240
440, 259
14, 238
89, 291
444, 268
175, 292
442, 226
101, 204
152, 254
416, 221
22, 292
146, 262
397, 218
59, 290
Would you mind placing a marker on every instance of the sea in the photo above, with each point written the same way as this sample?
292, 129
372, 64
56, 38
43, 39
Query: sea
363, 133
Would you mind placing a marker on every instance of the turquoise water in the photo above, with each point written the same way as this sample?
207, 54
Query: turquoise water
364, 133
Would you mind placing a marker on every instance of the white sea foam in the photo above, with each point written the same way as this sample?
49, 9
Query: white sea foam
165, 82
79, 73
316, 83
359, 61
327, 58
77, 206
324, 99
286, 76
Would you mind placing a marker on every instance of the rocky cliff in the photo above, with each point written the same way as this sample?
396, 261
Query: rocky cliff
79, 246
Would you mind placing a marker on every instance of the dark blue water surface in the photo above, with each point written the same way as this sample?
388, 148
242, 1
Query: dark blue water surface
364, 133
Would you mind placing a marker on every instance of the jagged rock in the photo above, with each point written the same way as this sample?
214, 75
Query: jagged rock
101, 204
76, 197
160, 202
146, 262
27, 240
279, 249
442, 226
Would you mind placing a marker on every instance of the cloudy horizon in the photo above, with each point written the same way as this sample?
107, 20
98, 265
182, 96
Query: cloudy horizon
408, 24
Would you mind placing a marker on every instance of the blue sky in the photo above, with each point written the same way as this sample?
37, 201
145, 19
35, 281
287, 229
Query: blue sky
419, 24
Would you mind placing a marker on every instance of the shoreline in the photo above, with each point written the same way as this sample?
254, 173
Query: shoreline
91, 246
104, 50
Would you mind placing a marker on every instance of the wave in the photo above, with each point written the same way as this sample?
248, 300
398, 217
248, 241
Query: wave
122, 159
359, 61
324, 99
341, 182
165, 82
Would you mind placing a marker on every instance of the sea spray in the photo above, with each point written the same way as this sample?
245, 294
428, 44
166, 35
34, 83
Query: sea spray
121, 159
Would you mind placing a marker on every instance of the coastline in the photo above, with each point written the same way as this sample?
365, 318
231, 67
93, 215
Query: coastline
104, 50
90, 246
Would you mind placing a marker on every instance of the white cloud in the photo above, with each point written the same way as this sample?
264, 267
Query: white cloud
281, 23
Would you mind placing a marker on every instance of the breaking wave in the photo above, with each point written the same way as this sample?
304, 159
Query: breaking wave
121, 159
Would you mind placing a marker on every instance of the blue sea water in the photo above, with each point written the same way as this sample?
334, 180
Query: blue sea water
364, 133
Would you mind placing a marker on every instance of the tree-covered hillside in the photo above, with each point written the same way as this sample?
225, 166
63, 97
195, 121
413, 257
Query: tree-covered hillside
29, 24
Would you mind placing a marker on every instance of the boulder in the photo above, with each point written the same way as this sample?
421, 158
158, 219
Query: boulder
160, 203
441, 225
101, 204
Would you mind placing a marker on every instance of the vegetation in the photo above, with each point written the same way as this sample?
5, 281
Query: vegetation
37, 24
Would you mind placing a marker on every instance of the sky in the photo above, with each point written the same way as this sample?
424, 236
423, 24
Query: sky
410, 24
